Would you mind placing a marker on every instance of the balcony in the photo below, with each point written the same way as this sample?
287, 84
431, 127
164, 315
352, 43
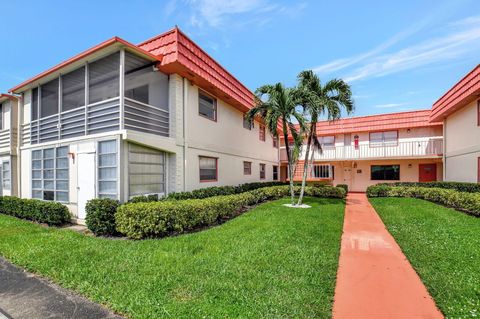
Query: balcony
7, 136
432, 147
98, 117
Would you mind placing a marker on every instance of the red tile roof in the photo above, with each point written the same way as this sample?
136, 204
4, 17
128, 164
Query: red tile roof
181, 55
462, 93
84, 54
380, 122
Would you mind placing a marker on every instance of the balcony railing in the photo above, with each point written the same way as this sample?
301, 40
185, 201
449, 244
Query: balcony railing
421, 148
5, 139
95, 118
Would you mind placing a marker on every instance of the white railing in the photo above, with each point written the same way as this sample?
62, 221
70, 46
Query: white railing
95, 118
420, 148
5, 138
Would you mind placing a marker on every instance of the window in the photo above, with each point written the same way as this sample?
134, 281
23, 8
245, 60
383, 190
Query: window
275, 141
35, 104
73, 89
385, 172
107, 169
50, 177
275, 172
139, 94
321, 171
261, 133
6, 175
247, 168
262, 171
49, 98
327, 141
208, 169
146, 170
1, 116
384, 138
246, 124
104, 78
207, 106
478, 113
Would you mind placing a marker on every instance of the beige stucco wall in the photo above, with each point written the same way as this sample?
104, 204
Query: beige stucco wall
225, 139
462, 145
360, 171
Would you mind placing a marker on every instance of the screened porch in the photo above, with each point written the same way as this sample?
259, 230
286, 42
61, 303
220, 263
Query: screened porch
120, 91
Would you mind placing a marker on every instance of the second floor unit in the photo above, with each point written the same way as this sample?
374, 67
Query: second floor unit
386, 136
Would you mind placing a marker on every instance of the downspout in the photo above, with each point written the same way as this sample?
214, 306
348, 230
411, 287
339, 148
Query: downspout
444, 149
19, 115
184, 130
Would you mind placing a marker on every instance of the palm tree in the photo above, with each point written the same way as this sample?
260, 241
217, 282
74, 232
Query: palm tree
320, 100
277, 105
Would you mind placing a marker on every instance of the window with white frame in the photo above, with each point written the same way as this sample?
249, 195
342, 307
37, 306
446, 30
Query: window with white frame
208, 169
262, 171
107, 169
248, 124
207, 106
49, 98
247, 168
104, 78
73, 89
6, 177
275, 172
1, 116
327, 141
34, 111
321, 171
384, 138
50, 179
146, 170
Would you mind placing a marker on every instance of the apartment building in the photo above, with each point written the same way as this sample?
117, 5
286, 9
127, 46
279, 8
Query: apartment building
459, 110
122, 120
362, 151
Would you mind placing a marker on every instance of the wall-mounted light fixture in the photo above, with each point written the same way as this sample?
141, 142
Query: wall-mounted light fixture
409, 165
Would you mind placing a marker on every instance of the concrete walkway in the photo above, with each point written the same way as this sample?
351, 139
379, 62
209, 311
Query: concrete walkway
375, 279
24, 295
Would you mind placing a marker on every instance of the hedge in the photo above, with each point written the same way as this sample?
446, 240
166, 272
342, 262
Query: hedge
459, 186
163, 218
463, 201
344, 186
101, 216
51, 213
221, 190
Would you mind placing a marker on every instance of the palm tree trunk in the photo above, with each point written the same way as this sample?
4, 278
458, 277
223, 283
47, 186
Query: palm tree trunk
305, 166
289, 160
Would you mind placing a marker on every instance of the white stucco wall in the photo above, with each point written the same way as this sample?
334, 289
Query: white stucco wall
462, 145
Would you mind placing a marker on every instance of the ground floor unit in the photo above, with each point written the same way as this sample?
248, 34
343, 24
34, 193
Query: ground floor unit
360, 174
122, 166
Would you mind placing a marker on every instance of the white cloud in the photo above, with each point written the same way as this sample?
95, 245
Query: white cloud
389, 105
216, 13
457, 39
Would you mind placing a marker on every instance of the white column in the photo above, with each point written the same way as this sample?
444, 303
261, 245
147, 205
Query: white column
122, 88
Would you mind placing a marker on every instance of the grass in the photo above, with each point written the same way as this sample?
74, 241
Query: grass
272, 262
443, 245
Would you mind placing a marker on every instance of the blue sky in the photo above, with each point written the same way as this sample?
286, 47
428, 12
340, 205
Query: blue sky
397, 55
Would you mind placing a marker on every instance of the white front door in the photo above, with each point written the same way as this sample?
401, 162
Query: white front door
347, 177
86, 181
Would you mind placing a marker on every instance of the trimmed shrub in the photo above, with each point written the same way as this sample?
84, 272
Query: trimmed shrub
144, 199
458, 186
344, 186
51, 213
101, 216
463, 201
159, 219
221, 190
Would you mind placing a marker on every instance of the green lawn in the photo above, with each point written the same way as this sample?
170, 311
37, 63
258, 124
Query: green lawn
443, 246
272, 262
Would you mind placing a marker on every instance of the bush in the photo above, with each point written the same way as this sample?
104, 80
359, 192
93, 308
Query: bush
144, 199
158, 219
221, 190
464, 201
101, 216
458, 186
51, 213
344, 186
